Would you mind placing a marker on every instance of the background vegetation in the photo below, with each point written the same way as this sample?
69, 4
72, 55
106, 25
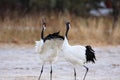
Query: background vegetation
20, 21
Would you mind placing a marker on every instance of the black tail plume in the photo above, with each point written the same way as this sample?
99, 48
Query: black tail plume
90, 54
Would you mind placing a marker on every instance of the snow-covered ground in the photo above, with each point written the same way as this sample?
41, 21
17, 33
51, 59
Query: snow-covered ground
22, 63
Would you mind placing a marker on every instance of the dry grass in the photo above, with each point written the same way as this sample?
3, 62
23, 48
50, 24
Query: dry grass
94, 31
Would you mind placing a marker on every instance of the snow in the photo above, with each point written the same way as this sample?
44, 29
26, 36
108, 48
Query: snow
22, 63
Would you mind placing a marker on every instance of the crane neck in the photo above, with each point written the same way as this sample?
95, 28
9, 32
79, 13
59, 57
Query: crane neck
66, 33
65, 42
42, 33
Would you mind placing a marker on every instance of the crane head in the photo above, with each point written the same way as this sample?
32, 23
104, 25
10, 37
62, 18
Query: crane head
68, 25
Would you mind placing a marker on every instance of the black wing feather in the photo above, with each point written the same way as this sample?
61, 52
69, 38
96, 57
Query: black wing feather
54, 36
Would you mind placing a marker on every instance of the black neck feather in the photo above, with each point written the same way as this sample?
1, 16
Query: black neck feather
67, 29
42, 33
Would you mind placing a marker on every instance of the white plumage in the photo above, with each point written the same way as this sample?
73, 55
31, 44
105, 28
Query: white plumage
73, 54
50, 50
38, 45
77, 55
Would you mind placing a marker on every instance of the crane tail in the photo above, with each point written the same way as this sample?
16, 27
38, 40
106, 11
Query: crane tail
90, 54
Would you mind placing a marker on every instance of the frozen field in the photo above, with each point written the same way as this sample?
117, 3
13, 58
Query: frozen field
22, 63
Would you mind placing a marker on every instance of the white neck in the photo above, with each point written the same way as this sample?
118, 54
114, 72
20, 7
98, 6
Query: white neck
65, 43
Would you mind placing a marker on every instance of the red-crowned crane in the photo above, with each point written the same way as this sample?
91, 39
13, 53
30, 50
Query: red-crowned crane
48, 51
77, 54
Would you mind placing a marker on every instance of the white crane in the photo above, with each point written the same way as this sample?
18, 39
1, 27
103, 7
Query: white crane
49, 50
77, 55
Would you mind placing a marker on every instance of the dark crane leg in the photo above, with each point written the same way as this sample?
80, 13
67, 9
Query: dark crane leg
85, 72
75, 73
41, 72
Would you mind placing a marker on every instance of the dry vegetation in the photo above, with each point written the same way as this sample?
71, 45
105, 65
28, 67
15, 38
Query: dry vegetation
93, 30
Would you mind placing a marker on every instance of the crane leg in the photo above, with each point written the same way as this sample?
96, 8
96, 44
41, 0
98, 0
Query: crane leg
51, 72
75, 73
85, 72
41, 72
